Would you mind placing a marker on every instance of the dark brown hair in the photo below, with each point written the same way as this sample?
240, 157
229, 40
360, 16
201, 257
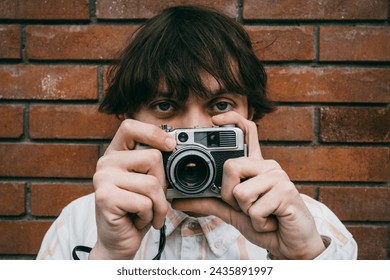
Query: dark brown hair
173, 48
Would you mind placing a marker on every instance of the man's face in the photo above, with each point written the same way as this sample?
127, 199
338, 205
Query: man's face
194, 112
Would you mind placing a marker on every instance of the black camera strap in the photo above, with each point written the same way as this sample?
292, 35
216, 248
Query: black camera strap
80, 248
161, 246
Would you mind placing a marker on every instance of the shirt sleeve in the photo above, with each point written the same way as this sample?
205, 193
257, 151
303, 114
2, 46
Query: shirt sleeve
54, 242
339, 242
75, 226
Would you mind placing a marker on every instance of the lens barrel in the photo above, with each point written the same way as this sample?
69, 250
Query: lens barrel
191, 170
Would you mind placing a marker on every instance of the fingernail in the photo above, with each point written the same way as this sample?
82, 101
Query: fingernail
170, 143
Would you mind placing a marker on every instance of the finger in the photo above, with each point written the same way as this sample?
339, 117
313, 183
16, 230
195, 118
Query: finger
145, 185
237, 170
234, 171
131, 132
115, 203
141, 161
216, 207
249, 191
271, 206
242, 222
261, 212
248, 127
211, 206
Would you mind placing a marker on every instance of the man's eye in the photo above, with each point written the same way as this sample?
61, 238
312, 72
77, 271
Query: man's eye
222, 106
164, 106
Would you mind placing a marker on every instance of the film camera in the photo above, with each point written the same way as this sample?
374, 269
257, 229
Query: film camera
195, 167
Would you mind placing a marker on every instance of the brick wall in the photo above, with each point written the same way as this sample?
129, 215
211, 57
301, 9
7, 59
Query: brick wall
328, 63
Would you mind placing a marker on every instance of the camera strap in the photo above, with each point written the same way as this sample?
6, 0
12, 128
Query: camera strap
161, 246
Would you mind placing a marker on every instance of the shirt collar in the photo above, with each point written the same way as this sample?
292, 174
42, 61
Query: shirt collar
218, 234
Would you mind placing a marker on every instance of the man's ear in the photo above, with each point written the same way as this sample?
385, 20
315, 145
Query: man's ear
121, 117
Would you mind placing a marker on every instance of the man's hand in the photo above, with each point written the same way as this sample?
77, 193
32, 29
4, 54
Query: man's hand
259, 199
130, 190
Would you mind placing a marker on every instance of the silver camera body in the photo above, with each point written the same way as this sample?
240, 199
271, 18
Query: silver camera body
195, 167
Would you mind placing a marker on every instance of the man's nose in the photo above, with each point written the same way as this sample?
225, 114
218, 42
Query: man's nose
196, 117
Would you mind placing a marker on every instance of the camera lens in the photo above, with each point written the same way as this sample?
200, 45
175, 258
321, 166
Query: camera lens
192, 171
183, 137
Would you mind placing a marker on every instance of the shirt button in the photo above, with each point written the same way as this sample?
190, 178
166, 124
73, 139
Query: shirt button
218, 244
193, 225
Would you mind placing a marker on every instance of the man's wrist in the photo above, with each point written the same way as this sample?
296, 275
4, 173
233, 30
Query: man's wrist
310, 254
99, 252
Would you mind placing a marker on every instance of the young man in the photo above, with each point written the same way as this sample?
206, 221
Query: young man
191, 67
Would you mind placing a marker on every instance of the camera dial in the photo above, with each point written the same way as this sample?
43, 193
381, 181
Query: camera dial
182, 137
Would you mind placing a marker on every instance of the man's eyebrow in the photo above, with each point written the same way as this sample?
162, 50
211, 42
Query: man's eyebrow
210, 93
222, 91
163, 94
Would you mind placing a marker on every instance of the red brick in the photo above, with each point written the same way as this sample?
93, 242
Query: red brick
323, 10
71, 121
44, 9
288, 124
49, 199
48, 160
355, 124
329, 84
77, 41
9, 41
22, 237
279, 43
11, 121
12, 196
48, 82
355, 43
307, 190
372, 241
149, 8
331, 164
357, 203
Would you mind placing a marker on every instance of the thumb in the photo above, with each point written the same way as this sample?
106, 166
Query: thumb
216, 207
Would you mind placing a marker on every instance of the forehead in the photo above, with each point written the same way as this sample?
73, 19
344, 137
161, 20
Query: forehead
210, 85
209, 82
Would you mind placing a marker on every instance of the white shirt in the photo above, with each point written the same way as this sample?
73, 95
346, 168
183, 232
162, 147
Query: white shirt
187, 237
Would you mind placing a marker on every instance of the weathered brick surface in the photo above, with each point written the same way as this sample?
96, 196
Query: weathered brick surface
22, 237
307, 190
355, 43
288, 124
324, 10
328, 71
11, 121
276, 43
48, 82
331, 164
44, 9
77, 41
148, 8
48, 160
372, 241
355, 124
10, 41
357, 203
49, 199
329, 84
70, 121
12, 198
